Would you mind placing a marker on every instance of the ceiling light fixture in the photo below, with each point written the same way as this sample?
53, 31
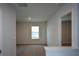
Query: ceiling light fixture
29, 18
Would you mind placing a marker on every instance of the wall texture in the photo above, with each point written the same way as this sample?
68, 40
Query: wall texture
54, 25
8, 30
75, 29
0, 29
23, 33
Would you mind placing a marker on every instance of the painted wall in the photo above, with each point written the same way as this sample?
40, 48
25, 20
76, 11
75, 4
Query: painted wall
52, 33
54, 25
8, 30
23, 33
75, 24
0, 29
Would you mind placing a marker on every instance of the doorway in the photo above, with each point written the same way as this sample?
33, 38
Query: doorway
66, 30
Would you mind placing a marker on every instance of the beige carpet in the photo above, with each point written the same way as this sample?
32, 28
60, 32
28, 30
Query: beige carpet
30, 50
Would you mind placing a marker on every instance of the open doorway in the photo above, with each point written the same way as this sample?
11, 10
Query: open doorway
66, 30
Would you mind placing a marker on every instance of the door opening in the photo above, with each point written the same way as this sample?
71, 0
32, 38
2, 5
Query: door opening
66, 31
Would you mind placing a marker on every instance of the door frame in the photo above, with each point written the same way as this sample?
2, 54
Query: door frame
60, 28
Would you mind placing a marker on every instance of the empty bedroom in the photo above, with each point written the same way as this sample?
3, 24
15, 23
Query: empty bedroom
39, 29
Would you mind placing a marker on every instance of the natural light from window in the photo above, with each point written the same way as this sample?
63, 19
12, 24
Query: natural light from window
35, 32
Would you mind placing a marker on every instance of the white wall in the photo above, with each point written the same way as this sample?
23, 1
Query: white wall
23, 33
54, 26
52, 33
75, 24
0, 29
8, 30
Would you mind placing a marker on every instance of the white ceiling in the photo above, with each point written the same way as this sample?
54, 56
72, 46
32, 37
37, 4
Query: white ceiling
37, 11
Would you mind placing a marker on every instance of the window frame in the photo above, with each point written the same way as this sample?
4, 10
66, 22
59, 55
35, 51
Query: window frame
38, 32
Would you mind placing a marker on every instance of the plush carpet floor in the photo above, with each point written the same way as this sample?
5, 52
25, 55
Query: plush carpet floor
30, 50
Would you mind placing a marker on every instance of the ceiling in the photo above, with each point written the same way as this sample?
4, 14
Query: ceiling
39, 12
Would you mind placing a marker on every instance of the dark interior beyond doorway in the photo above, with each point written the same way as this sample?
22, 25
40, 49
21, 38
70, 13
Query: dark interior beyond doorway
66, 33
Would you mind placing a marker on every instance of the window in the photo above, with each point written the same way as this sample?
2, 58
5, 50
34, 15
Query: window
35, 32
